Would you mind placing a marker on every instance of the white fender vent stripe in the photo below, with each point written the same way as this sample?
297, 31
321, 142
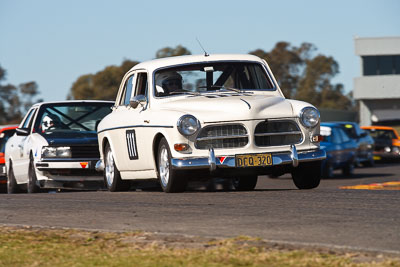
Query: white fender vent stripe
131, 143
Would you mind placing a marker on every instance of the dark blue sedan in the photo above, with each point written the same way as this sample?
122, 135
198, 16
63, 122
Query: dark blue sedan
340, 150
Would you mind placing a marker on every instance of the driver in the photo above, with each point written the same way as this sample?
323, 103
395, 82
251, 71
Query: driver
50, 121
169, 81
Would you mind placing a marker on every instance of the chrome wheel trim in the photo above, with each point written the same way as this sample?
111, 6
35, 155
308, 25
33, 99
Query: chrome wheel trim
164, 166
109, 168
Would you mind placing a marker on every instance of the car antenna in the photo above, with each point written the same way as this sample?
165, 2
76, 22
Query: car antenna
205, 53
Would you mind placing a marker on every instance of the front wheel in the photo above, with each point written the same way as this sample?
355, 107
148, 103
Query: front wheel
327, 170
112, 176
12, 186
171, 180
245, 183
348, 170
307, 175
32, 179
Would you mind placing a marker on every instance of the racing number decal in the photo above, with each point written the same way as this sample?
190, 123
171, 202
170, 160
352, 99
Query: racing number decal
131, 143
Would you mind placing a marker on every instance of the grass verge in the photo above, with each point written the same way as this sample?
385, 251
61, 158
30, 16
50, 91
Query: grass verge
60, 247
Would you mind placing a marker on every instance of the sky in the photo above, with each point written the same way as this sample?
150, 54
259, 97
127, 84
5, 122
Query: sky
53, 42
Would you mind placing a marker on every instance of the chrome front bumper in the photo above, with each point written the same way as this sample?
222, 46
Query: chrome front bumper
212, 162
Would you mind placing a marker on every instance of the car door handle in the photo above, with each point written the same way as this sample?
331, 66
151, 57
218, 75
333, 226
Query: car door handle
146, 121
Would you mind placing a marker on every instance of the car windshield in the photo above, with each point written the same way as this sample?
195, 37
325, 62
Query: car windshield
4, 136
382, 134
71, 117
350, 130
206, 77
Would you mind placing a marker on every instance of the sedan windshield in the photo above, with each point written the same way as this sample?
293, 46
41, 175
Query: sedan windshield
206, 77
71, 117
382, 134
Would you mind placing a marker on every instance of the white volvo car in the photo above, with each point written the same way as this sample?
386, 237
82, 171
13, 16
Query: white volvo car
199, 116
55, 146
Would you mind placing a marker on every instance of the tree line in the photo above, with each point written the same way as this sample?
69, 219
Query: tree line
301, 72
16, 100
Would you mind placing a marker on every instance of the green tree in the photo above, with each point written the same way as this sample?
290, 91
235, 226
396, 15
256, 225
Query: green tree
102, 85
172, 52
15, 101
105, 83
303, 76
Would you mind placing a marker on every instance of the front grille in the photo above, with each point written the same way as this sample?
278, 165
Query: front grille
277, 133
85, 151
223, 136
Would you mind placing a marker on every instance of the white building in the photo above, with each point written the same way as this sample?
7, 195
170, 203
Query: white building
378, 88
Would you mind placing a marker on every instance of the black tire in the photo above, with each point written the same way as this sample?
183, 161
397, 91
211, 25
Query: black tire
245, 183
369, 163
171, 181
12, 186
348, 170
327, 170
32, 179
3, 188
307, 175
112, 176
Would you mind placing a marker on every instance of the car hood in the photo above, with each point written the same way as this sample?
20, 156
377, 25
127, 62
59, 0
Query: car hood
225, 107
71, 138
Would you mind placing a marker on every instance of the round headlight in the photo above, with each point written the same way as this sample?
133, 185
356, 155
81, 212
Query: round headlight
188, 125
309, 117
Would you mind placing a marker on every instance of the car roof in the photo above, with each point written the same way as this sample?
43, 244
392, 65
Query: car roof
330, 124
72, 101
378, 127
171, 61
345, 122
7, 127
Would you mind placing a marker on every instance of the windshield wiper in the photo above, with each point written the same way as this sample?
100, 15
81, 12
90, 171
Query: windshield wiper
184, 93
221, 87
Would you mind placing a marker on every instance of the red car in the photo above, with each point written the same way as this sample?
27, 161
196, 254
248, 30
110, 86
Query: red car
5, 132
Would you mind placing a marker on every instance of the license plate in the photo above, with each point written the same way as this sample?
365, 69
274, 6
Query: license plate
253, 160
377, 157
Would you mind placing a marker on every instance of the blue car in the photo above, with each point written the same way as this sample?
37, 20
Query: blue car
365, 143
340, 150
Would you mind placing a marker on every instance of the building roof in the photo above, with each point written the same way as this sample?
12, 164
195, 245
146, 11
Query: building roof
375, 46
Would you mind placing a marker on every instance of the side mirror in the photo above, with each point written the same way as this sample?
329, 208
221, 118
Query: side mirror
136, 100
364, 134
22, 131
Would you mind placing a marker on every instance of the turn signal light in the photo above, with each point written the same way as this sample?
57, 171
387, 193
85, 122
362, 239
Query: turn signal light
181, 147
317, 138
396, 142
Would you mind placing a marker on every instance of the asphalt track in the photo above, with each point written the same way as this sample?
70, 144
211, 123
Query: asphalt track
367, 218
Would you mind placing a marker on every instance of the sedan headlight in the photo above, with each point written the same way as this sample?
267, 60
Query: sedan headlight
56, 152
309, 117
188, 125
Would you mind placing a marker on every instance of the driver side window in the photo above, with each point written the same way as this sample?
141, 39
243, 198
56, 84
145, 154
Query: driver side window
141, 84
28, 120
127, 90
